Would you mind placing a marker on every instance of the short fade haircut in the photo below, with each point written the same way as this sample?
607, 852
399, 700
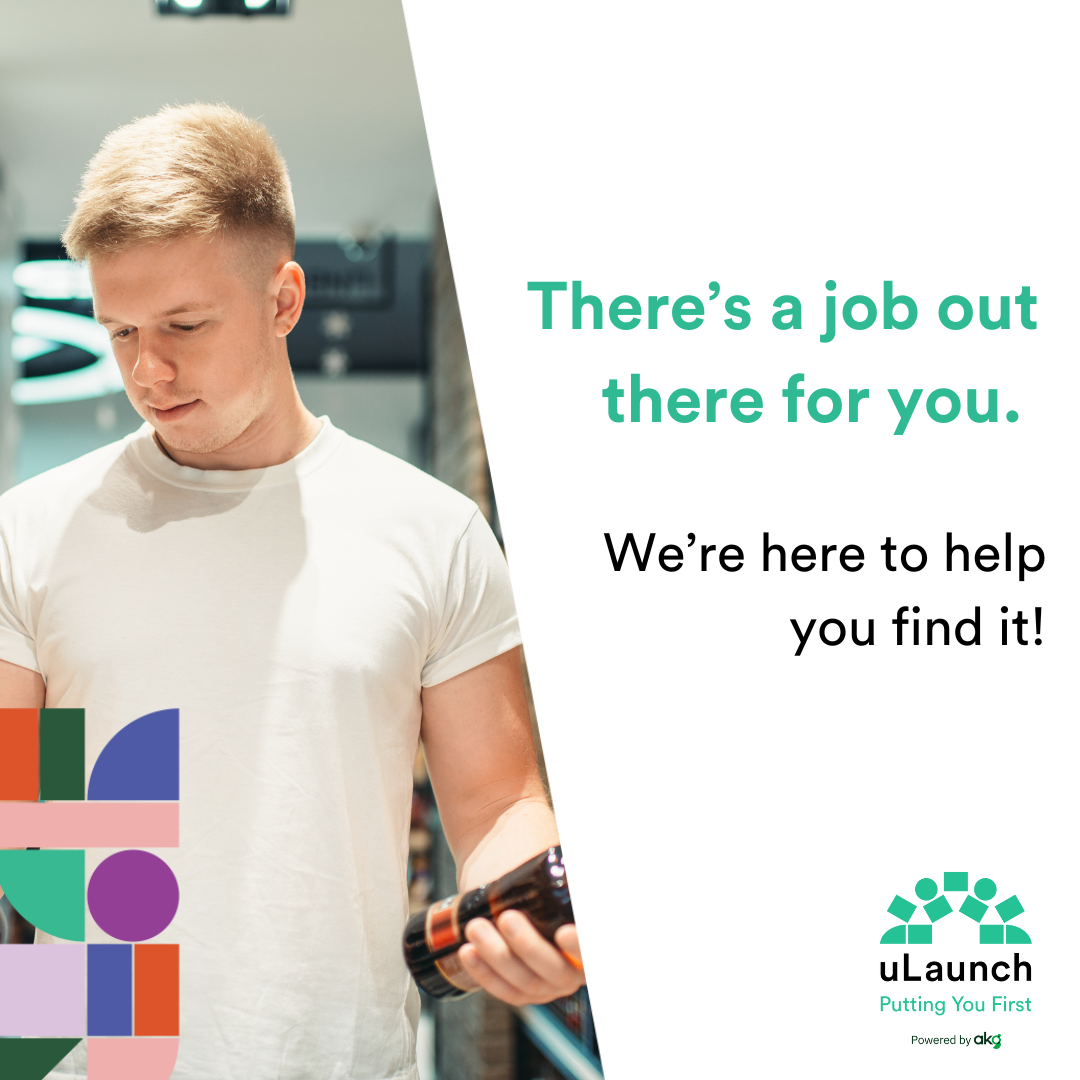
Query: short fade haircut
187, 170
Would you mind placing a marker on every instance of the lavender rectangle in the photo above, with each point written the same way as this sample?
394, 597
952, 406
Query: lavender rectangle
43, 990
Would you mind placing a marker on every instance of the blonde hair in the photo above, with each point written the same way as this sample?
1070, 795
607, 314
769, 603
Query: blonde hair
188, 169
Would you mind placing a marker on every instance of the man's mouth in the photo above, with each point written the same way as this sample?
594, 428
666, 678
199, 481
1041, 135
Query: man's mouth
172, 412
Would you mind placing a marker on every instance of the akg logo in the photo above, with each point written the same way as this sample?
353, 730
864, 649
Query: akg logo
988, 1040
123, 997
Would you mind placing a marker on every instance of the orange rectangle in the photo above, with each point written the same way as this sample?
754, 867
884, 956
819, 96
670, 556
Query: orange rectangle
19, 754
157, 990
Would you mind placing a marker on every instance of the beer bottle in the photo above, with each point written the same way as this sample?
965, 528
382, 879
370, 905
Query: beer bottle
433, 936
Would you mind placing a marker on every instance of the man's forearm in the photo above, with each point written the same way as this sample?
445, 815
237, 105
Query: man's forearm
521, 831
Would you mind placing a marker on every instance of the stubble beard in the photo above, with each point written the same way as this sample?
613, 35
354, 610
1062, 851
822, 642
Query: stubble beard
224, 429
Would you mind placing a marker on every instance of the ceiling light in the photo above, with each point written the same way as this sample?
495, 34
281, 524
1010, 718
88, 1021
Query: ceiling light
53, 279
96, 380
223, 7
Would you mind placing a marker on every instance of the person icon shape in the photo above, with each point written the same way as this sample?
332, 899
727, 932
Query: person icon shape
1003, 933
935, 906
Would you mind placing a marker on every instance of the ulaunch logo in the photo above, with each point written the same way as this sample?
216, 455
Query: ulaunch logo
123, 997
935, 907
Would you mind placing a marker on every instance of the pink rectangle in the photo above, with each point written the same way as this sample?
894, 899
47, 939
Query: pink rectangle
43, 991
89, 824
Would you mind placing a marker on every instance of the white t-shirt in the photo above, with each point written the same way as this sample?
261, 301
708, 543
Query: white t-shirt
292, 614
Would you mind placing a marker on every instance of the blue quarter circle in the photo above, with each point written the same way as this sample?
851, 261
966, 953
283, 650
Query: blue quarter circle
141, 761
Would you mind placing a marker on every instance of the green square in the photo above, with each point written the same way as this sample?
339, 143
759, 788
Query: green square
992, 934
972, 908
63, 754
1009, 909
920, 934
901, 908
937, 909
955, 883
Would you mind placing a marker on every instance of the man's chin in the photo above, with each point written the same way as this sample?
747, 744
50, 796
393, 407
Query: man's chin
196, 438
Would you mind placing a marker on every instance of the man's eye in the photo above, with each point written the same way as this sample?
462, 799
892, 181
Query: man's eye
188, 327
122, 333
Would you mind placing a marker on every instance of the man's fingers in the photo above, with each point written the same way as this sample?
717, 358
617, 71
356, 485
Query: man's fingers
495, 951
566, 939
494, 984
537, 954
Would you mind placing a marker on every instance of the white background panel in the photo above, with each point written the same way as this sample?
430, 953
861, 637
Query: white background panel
737, 819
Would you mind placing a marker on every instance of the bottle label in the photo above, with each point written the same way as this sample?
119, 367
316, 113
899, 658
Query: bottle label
453, 971
441, 930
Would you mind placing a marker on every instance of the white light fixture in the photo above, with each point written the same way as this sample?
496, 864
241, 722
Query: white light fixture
53, 279
254, 5
43, 324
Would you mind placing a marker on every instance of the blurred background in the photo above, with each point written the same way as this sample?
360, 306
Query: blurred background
379, 348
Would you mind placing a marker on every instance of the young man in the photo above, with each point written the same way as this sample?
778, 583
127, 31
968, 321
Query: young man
310, 604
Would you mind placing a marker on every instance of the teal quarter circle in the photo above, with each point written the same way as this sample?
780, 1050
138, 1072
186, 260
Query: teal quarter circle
985, 888
897, 935
48, 889
1015, 936
926, 888
32, 1059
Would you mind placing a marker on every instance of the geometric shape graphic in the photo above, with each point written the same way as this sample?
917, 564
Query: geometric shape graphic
48, 889
19, 761
63, 754
896, 935
901, 908
108, 993
937, 909
32, 1059
972, 908
133, 895
131, 1059
920, 934
926, 888
985, 889
956, 882
141, 761
157, 990
991, 934
43, 991
1015, 936
1009, 909
90, 824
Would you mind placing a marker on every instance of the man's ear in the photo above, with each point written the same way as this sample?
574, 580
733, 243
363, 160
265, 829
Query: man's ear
289, 292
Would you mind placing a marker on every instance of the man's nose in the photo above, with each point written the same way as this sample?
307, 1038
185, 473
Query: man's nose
153, 365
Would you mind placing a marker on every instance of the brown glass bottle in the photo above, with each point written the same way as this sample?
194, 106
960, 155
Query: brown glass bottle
434, 935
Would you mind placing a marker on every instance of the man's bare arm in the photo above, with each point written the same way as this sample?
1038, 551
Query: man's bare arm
482, 762
479, 749
20, 688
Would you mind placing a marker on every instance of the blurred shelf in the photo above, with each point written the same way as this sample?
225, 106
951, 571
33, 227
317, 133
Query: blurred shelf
557, 1045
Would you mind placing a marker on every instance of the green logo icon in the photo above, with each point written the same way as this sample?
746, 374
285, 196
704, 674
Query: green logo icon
936, 906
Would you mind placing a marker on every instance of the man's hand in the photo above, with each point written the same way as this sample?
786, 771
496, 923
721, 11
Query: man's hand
511, 960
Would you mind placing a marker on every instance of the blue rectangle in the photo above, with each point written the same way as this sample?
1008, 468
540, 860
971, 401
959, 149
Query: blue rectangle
108, 990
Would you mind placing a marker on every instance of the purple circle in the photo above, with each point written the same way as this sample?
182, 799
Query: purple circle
133, 895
